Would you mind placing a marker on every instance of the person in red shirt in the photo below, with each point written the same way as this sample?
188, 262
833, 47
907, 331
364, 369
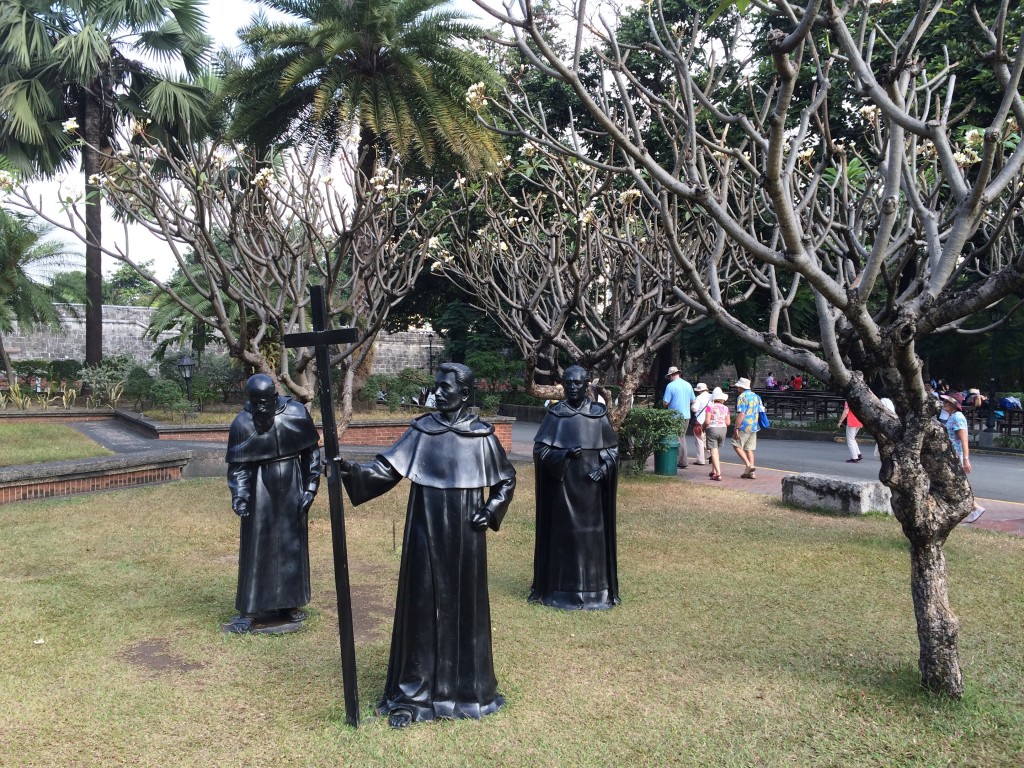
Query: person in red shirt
798, 382
853, 425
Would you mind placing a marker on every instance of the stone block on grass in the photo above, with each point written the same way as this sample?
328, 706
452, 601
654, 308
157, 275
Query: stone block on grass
841, 497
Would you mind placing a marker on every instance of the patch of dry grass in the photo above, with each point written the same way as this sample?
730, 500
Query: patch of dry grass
29, 443
749, 634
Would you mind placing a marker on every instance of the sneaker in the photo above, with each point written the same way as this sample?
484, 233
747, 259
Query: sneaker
975, 514
852, 461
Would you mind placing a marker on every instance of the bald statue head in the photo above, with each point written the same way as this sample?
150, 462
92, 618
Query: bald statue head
262, 401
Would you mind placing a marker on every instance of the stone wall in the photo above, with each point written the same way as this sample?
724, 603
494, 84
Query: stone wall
409, 349
124, 330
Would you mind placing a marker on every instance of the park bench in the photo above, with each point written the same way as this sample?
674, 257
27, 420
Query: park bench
840, 496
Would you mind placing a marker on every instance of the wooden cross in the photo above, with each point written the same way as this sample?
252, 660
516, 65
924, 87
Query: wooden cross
320, 338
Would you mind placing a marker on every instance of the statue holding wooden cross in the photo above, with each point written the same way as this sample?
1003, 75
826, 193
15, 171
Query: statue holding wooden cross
441, 664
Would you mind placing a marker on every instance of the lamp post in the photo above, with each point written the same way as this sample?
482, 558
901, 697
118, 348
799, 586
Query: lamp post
185, 367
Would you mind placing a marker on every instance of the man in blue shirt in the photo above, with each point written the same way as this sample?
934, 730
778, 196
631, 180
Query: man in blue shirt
679, 397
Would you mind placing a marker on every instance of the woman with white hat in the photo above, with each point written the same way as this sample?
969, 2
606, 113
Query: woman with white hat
716, 424
699, 406
956, 428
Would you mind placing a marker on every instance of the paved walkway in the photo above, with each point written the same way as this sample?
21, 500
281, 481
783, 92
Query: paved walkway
1000, 515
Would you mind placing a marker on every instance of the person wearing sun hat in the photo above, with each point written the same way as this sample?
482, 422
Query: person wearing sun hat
699, 407
744, 436
956, 428
679, 397
716, 425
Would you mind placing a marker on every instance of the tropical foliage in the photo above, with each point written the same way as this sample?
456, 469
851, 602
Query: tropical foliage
392, 74
25, 296
67, 71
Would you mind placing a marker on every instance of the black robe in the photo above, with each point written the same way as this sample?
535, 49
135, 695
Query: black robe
574, 562
441, 663
272, 471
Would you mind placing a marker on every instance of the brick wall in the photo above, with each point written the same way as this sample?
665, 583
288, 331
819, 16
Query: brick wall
45, 489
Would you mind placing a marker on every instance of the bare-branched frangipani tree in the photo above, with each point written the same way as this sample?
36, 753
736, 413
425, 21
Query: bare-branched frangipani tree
249, 236
570, 268
824, 153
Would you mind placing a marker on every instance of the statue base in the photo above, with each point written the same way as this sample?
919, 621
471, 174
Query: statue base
247, 625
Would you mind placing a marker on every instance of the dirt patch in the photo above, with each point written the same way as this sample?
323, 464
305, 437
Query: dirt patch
155, 656
372, 611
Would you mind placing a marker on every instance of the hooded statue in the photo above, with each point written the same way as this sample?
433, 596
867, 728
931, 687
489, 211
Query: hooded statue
575, 454
273, 473
441, 664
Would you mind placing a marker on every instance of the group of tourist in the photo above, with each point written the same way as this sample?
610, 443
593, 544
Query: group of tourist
711, 422
795, 382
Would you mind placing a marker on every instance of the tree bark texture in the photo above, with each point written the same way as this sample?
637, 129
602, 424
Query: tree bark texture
91, 168
937, 625
930, 495
5, 360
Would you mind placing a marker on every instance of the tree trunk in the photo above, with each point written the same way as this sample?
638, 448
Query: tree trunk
5, 358
937, 625
617, 413
91, 162
930, 495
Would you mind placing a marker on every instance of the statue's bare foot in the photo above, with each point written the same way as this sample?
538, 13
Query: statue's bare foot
400, 718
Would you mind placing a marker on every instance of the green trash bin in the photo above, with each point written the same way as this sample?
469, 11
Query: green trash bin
666, 458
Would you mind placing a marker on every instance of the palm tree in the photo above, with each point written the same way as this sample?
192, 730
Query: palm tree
25, 297
66, 73
396, 70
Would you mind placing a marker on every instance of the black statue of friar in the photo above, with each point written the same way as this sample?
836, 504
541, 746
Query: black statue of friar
441, 664
575, 454
274, 469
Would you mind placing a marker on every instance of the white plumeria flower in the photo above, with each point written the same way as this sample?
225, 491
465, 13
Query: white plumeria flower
475, 98
70, 125
974, 138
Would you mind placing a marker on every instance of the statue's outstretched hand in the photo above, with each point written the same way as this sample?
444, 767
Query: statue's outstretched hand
344, 467
480, 519
241, 507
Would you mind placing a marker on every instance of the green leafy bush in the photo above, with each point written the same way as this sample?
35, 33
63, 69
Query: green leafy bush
167, 394
489, 401
56, 370
644, 429
107, 380
137, 386
397, 390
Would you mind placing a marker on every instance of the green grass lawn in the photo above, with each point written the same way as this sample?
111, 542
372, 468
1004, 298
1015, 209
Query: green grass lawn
31, 443
750, 634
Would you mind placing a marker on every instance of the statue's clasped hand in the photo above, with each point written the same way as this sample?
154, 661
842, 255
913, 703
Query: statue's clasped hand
480, 519
597, 475
240, 507
575, 453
